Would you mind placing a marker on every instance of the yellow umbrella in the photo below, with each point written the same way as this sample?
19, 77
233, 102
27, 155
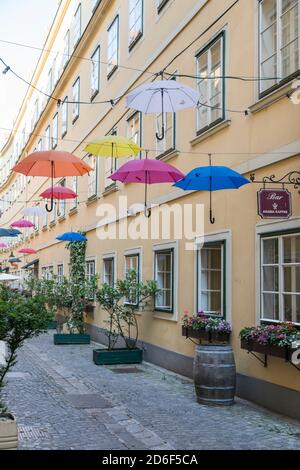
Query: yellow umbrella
113, 146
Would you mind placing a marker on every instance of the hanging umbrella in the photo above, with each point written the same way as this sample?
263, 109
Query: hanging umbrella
211, 178
9, 232
162, 96
72, 237
8, 277
3, 245
147, 172
52, 164
59, 192
113, 146
27, 251
13, 258
34, 211
22, 224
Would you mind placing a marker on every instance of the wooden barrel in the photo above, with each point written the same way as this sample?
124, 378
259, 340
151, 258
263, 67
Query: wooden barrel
215, 375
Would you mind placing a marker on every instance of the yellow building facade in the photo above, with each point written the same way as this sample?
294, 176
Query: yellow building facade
247, 269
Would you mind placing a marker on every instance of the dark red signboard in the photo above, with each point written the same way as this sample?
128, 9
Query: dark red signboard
274, 204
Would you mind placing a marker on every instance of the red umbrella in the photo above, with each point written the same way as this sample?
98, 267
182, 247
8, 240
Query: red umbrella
27, 251
59, 192
22, 224
54, 164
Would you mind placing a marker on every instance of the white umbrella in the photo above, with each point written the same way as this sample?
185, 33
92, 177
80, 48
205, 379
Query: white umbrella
8, 277
162, 96
34, 211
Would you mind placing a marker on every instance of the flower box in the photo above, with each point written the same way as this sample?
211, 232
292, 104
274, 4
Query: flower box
269, 349
117, 356
68, 338
209, 336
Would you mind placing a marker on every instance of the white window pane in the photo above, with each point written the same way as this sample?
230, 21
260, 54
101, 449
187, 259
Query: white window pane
291, 308
291, 246
270, 251
270, 279
271, 306
291, 276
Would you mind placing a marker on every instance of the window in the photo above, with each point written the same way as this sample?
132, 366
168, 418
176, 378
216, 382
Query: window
164, 276
132, 262
40, 145
135, 21
77, 25
109, 271
61, 207
47, 272
66, 52
47, 145
280, 278
95, 73
76, 98
279, 41
161, 4
168, 143
55, 131
93, 177
75, 189
210, 63
64, 117
60, 273
210, 282
134, 129
49, 83
113, 47
90, 268
110, 166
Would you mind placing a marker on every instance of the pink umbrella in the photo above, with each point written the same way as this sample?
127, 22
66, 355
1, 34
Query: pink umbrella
59, 192
22, 224
3, 245
27, 251
147, 172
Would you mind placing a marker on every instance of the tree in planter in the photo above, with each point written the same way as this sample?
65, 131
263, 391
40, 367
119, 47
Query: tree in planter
21, 318
121, 302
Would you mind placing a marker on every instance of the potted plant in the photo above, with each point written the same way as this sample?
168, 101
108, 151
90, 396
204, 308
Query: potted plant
121, 302
21, 318
205, 328
278, 340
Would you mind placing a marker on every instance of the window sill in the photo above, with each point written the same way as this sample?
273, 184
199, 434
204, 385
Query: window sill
62, 218
96, 92
161, 6
110, 189
135, 41
210, 132
75, 119
52, 224
111, 73
64, 134
271, 98
164, 315
45, 228
91, 200
54, 147
168, 155
73, 211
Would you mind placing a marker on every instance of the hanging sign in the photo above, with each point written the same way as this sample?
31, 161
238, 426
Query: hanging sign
274, 204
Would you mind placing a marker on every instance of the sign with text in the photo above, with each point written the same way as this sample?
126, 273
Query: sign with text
274, 204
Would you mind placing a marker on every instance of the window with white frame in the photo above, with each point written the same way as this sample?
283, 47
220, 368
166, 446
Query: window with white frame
280, 278
64, 117
90, 269
211, 84
55, 131
164, 276
113, 46
76, 98
279, 41
60, 273
61, 208
211, 279
132, 263
95, 72
77, 25
49, 82
93, 177
135, 21
74, 187
47, 145
66, 52
109, 271
168, 142
134, 129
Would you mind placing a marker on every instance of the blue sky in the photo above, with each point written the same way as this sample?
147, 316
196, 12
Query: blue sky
27, 22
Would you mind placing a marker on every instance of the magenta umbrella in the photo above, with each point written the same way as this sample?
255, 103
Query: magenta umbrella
3, 245
27, 251
147, 172
59, 192
22, 224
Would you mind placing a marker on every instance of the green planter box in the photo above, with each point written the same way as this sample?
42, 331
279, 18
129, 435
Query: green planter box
52, 325
117, 356
71, 339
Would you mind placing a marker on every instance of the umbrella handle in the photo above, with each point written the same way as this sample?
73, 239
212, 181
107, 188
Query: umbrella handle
147, 212
49, 209
212, 219
162, 136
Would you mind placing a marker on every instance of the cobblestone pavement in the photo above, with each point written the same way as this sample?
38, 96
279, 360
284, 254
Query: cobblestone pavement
63, 401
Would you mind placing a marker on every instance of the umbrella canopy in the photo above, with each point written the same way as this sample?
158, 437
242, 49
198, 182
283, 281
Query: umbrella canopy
72, 237
3, 245
52, 164
14, 259
9, 232
59, 192
22, 224
34, 211
27, 251
8, 277
113, 146
211, 178
147, 172
162, 96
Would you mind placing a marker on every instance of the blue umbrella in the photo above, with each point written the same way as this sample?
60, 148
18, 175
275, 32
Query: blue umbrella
72, 237
211, 178
9, 232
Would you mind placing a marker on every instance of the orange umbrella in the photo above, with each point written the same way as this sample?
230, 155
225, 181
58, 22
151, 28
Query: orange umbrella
54, 164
